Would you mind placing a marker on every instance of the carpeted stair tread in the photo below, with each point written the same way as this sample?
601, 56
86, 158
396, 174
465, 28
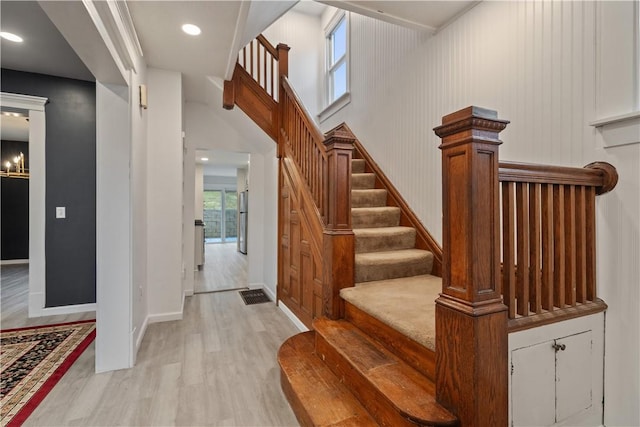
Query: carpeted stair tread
405, 304
384, 239
385, 216
357, 165
376, 197
372, 266
316, 395
391, 390
360, 181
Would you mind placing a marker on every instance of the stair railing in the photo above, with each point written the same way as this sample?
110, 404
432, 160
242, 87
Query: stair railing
538, 223
318, 165
548, 241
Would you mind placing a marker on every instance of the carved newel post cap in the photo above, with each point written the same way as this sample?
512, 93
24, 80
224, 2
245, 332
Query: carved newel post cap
339, 136
470, 118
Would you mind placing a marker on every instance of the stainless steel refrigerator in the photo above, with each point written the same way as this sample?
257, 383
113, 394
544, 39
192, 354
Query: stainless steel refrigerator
243, 205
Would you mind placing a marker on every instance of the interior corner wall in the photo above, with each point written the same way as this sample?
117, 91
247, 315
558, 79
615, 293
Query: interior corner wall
139, 288
199, 192
164, 194
70, 243
189, 191
271, 220
300, 32
255, 221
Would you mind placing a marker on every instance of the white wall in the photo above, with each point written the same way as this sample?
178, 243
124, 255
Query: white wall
199, 196
300, 32
270, 221
164, 195
535, 63
256, 225
189, 210
139, 288
113, 224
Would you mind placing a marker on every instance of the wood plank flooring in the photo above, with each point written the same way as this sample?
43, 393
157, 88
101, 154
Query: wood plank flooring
224, 268
216, 367
14, 297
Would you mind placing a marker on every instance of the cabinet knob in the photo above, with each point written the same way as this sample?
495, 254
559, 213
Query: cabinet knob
558, 347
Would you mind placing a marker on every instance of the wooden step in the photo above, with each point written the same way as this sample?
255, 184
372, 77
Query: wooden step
316, 395
360, 181
357, 165
373, 266
386, 216
393, 392
368, 198
384, 239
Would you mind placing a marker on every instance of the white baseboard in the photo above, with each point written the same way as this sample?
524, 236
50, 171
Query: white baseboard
269, 292
14, 261
164, 317
37, 308
143, 330
292, 317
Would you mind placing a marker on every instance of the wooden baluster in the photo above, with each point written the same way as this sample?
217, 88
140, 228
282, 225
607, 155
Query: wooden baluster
471, 320
558, 246
581, 248
570, 245
508, 249
522, 269
547, 247
591, 242
339, 240
251, 58
535, 291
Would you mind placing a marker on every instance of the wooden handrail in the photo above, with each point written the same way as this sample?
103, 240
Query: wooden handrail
598, 174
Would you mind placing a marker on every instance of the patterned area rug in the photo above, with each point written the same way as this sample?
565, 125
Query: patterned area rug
33, 360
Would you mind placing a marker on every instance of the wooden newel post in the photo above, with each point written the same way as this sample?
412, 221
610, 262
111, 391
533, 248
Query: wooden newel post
338, 239
471, 320
283, 59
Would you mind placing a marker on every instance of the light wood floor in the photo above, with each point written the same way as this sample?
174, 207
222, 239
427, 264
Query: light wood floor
224, 268
14, 301
216, 367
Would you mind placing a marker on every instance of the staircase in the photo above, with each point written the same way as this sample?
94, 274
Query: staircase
405, 333
375, 367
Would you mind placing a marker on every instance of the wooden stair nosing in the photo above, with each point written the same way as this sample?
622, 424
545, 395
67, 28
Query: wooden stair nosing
315, 394
390, 389
415, 354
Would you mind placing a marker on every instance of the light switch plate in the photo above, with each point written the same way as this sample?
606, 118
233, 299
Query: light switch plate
61, 212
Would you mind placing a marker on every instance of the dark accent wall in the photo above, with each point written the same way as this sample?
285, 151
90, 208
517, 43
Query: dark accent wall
70, 243
14, 208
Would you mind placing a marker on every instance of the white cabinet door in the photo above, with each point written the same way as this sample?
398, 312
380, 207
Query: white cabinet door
533, 396
551, 382
573, 375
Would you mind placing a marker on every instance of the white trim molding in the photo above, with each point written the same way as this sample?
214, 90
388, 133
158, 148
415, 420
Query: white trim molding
294, 319
24, 102
14, 261
37, 307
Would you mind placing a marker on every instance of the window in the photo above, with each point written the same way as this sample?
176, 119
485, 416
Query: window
337, 64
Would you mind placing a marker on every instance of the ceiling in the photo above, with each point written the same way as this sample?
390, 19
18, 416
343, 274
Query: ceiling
423, 15
44, 50
220, 162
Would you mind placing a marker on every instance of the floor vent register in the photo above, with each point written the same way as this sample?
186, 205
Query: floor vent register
254, 296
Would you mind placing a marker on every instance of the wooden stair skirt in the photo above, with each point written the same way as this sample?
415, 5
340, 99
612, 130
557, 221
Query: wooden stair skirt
338, 375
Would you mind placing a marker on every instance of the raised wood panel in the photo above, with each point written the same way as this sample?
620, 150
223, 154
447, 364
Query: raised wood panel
255, 102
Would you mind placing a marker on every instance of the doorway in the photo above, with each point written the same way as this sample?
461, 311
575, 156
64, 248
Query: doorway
220, 211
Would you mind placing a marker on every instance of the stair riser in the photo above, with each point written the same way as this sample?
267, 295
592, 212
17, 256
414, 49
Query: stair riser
405, 240
363, 181
368, 199
374, 220
369, 273
374, 402
357, 165
417, 356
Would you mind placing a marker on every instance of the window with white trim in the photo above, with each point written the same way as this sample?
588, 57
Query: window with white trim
337, 41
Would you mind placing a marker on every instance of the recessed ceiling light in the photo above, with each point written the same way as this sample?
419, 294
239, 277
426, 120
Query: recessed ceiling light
11, 37
204, 159
192, 30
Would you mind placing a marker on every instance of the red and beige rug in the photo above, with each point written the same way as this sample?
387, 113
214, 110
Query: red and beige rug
32, 361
